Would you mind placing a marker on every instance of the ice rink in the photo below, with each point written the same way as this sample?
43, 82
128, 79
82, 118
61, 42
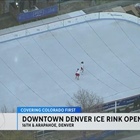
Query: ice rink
39, 70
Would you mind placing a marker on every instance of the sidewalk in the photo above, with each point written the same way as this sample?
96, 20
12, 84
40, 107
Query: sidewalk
110, 5
136, 137
70, 6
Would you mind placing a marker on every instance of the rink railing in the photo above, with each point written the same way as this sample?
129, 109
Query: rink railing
25, 30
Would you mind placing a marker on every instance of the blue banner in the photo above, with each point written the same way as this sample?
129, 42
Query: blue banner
22, 17
49, 110
121, 102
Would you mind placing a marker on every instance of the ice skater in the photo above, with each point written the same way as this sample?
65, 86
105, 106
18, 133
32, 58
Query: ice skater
82, 67
77, 74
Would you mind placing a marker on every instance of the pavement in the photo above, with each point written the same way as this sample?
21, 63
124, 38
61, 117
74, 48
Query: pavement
86, 6
110, 5
136, 137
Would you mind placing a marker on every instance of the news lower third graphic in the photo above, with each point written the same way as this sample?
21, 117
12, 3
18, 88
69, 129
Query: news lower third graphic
67, 118
49, 110
46, 118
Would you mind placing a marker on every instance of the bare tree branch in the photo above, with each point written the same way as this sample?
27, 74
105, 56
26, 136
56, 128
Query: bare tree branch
88, 101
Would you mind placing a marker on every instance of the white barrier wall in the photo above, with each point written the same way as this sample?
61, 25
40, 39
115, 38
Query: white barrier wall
20, 31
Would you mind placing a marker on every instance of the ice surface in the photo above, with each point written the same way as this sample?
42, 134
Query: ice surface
39, 70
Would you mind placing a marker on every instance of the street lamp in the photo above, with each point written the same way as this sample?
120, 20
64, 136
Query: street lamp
16, 3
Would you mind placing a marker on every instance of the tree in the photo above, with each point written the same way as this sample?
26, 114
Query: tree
4, 109
88, 101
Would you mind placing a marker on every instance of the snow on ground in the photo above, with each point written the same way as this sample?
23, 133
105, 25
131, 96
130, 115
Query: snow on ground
39, 70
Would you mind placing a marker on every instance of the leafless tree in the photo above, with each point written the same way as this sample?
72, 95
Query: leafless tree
4, 109
88, 101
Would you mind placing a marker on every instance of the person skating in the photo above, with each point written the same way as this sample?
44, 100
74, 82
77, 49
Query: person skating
82, 66
77, 74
